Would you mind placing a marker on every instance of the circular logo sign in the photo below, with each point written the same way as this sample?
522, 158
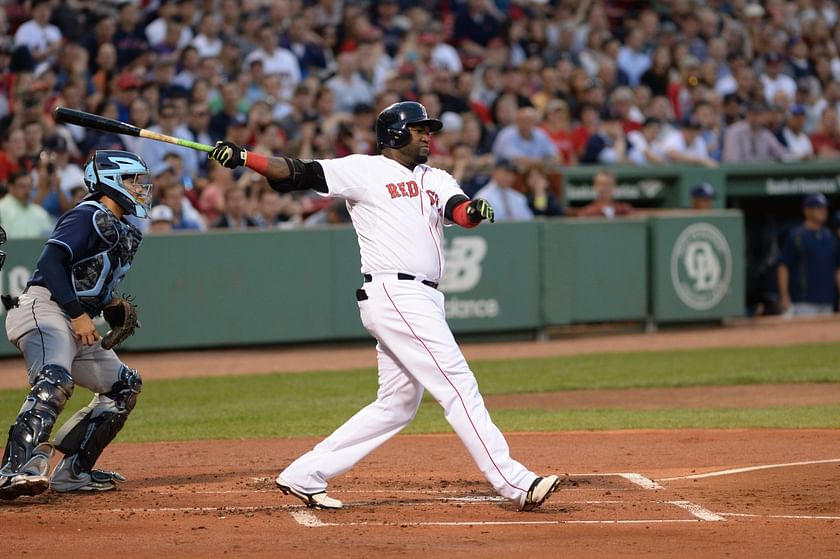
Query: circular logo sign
701, 266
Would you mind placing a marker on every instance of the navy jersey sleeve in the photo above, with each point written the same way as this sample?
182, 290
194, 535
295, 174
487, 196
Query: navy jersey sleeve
75, 233
74, 238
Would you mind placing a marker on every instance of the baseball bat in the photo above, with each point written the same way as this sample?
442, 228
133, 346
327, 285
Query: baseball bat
103, 124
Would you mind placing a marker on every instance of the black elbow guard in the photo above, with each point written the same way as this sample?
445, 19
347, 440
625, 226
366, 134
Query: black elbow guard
305, 174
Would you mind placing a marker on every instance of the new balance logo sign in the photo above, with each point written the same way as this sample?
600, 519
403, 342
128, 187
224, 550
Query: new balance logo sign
463, 264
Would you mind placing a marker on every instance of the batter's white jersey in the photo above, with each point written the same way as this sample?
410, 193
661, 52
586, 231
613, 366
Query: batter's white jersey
397, 212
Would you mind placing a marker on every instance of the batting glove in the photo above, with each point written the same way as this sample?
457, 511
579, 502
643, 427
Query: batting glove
479, 209
228, 154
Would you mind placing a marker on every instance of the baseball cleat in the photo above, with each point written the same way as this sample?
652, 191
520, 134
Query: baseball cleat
24, 484
312, 500
64, 479
540, 490
103, 476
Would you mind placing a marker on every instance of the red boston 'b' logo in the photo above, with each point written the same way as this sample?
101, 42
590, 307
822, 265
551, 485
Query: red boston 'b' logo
403, 189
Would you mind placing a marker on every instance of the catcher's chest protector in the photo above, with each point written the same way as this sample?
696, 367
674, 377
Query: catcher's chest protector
95, 277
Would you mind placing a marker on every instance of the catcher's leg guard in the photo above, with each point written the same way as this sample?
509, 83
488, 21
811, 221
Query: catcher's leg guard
91, 429
52, 388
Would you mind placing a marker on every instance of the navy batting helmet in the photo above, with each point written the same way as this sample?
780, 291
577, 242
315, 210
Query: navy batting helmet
392, 123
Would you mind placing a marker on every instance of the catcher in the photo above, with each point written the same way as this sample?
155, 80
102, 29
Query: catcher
88, 253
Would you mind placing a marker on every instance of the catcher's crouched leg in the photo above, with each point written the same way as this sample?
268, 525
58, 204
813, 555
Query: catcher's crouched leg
85, 435
27, 454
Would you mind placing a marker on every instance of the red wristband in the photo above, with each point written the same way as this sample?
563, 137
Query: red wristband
459, 215
256, 161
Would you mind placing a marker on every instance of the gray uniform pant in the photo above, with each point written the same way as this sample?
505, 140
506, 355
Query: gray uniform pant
41, 331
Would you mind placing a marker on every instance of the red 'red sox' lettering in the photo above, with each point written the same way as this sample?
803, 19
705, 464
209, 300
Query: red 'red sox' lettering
403, 189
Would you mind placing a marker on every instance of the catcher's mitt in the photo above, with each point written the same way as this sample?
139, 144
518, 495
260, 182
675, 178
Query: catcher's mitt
121, 316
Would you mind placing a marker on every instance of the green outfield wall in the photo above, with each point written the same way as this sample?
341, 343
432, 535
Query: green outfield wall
247, 288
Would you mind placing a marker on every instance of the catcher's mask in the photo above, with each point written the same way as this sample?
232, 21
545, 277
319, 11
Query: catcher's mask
122, 176
393, 122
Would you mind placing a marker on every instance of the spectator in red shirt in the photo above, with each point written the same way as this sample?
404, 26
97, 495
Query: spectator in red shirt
826, 141
589, 123
557, 124
14, 148
605, 205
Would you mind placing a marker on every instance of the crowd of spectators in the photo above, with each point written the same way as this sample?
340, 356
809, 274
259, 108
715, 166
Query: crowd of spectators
521, 86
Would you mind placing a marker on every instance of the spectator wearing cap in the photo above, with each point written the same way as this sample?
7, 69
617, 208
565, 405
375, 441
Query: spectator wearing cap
347, 85
702, 196
794, 137
19, 216
773, 80
685, 145
126, 90
508, 204
645, 145
37, 34
161, 218
826, 140
749, 140
809, 266
523, 142
607, 144
275, 60
605, 204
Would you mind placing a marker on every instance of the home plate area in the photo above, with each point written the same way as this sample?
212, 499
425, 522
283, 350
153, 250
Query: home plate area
613, 498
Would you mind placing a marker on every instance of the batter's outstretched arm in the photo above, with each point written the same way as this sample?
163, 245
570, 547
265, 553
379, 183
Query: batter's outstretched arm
468, 213
284, 174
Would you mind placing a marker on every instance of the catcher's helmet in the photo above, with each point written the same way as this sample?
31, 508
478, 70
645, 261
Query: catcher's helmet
392, 123
104, 173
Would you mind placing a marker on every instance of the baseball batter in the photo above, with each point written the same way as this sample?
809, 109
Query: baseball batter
398, 206
88, 253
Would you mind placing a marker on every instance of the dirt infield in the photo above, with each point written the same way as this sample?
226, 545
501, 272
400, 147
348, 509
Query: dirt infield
420, 496
686, 493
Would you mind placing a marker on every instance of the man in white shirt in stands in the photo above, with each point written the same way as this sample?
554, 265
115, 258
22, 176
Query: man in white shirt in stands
685, 145
42, 39
509, 203
794, 137
275, 60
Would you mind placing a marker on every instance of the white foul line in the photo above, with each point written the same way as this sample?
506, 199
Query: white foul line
751, 469
781, 516
698, 511
641, 481
307, 519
